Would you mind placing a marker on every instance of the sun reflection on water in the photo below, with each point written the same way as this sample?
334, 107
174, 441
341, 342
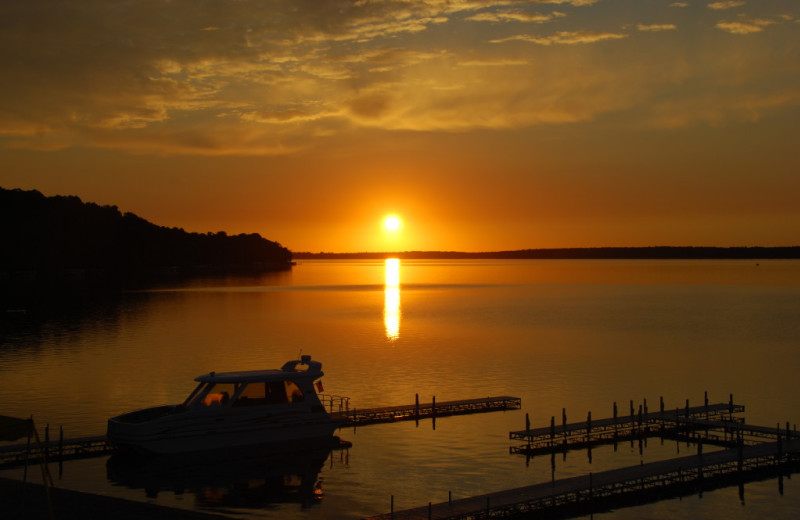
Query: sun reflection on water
391, 299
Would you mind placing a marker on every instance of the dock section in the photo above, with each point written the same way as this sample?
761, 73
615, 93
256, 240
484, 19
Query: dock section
87, 447
430, 410
596, 492
754, 453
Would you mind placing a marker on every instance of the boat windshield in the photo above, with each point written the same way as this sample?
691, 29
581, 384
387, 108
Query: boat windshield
211, 394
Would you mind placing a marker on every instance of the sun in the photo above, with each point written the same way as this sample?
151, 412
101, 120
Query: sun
392, 223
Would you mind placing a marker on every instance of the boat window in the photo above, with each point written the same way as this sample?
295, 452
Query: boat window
219, 394
293, 392
193, 397
254, 394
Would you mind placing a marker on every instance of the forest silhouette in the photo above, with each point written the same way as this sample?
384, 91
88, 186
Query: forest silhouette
62, 241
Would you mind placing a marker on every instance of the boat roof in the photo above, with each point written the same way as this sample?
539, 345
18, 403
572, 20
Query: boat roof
303, 367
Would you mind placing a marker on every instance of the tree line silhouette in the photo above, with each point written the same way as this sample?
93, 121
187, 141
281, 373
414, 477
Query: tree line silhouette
62, 239
583, 253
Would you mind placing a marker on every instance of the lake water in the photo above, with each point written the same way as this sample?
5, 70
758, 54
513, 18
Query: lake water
578, 335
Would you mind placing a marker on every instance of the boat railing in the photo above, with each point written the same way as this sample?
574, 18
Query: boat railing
335, 403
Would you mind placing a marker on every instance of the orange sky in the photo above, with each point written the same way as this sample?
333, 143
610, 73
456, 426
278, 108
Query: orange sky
484, 124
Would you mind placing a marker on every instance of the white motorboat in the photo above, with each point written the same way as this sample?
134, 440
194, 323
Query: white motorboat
233, 409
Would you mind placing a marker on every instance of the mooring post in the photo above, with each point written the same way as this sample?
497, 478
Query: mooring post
527, 424
640, 416
61, 442
416, 407
730, 405
661, 404
391, 507
632, 410
564, 423
552, 428
47, 441
589, 428
450, 498
645, 405
615, 413
687, 408
429, 510
780, 442
705, 403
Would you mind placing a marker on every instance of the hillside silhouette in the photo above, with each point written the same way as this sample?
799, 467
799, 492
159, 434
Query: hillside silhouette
60, 240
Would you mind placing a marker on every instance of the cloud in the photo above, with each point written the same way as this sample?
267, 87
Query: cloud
566, 38
744, 26
248, 77
679, 4
515, 16
726, 4
657, 27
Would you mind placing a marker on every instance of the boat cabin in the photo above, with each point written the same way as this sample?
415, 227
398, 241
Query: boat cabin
293, 383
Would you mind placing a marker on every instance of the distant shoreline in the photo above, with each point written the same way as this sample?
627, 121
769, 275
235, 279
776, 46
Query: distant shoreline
589, 253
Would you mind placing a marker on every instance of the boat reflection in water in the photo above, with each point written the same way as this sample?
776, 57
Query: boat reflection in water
221, 479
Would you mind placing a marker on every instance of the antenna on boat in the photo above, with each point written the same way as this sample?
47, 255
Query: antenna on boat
300, 354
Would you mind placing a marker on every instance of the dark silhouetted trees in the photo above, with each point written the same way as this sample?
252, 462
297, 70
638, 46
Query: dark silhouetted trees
63, 239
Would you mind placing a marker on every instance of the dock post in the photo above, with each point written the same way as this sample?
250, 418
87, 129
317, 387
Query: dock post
433, 407
552, 429
47, 441
687, 408
416, 407
391, 507
564, 423
61, 441
705, 402
429, 511
661, 404
589, 427
632, 410
527, 424
615, 413
645, 405
450, 498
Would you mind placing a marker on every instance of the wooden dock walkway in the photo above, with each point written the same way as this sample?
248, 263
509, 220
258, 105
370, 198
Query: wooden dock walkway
722, 417
14, 455
430, 410
87, 447
598, 491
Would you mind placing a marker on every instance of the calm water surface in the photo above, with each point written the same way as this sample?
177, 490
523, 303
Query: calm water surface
559, 334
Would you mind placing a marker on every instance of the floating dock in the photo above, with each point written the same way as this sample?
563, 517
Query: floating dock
754, 453
87, 447
430, 410
596, 492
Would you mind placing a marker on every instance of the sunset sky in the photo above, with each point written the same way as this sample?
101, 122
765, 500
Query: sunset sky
484, 125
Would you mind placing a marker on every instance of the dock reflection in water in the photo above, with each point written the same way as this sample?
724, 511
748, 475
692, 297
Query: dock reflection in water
220, 480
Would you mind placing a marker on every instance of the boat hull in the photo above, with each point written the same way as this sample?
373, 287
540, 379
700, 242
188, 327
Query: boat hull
189, 432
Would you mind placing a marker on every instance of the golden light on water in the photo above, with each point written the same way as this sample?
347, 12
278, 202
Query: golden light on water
391, 299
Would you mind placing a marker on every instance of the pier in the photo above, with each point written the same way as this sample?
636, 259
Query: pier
601, 491
753, 453
87, 447
429, 410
